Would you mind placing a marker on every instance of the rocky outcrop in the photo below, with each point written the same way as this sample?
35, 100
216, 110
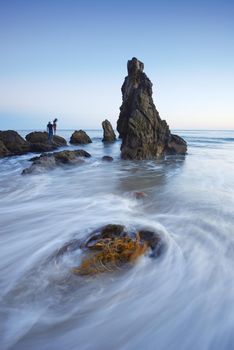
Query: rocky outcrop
13, 144
80, 137
40, 143
144, 135
48, 161
42, 137
108, 132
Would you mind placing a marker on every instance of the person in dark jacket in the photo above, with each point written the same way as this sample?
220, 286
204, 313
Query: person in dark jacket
50, 131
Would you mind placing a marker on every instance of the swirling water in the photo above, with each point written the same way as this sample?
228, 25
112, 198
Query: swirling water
182, 300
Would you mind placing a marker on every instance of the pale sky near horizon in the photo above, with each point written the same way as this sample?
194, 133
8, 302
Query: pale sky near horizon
67, 59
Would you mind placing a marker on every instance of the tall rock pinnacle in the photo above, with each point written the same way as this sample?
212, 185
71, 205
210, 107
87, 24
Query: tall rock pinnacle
144, 135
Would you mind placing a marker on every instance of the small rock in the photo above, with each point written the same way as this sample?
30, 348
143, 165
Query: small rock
80, 137
140, 195
154, 241
107, 158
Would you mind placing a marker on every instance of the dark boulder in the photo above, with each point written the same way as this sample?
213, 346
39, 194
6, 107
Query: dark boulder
108, 132
153, 240
42, 137
13, 143
48, 161
144, 135
40, 143
80, 137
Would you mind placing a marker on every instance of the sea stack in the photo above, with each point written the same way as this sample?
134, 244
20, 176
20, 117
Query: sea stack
108, 132
144, 135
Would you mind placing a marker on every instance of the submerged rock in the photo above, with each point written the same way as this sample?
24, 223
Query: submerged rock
107, 158
49, 161
80, 137
144, 135
111, 248
108, 132
13, 144
140, 195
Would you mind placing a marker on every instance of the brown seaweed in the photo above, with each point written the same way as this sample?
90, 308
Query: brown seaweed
111, 253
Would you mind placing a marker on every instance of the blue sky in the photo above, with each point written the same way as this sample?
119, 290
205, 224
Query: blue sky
67, 59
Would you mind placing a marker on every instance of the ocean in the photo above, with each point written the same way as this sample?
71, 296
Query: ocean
182, 300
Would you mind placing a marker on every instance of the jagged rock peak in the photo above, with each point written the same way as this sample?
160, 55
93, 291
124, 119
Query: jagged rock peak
135, 65
144, 135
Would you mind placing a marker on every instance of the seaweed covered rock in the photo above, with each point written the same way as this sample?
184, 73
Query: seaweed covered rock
144, 135
108, 132
80, 137
49, 161
13, 144
111, 248
110, 254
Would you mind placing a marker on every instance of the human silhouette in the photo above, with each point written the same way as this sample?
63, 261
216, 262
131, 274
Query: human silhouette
50, 131
55, 125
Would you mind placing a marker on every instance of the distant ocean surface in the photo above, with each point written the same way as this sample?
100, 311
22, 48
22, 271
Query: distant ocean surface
183, 300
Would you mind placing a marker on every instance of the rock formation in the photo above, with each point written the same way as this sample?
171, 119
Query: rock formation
144, 135
112, 248
80, 137
12, 144
48, 161
40, 143
42, 138
108, 132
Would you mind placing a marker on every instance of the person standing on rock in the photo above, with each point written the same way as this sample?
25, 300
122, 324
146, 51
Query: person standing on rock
50, 131
55, 125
